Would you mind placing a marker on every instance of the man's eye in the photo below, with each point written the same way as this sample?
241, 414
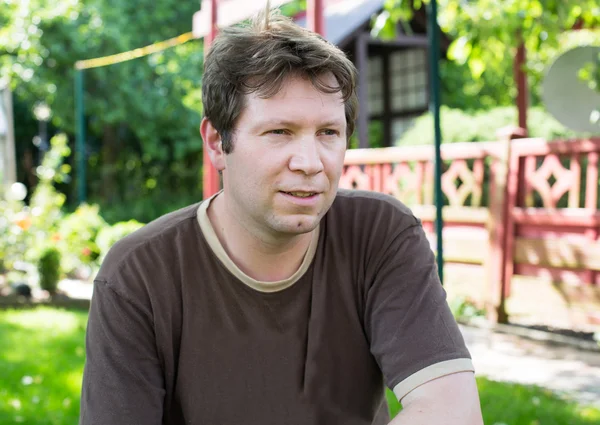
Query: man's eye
278, 131
329, 132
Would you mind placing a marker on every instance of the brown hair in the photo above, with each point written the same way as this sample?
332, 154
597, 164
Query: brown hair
258, 57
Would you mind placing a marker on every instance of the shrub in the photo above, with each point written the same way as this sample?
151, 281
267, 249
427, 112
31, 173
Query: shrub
49, 269
465, 309
108, 236
76, 237
458, 126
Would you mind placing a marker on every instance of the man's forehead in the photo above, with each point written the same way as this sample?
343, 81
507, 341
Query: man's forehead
295, 80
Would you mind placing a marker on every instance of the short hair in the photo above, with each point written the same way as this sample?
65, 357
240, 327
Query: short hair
258, 57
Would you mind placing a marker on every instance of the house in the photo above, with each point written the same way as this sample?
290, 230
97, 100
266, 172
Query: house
393, 74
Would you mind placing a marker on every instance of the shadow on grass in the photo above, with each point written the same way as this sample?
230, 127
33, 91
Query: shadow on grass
513, 404
41, 361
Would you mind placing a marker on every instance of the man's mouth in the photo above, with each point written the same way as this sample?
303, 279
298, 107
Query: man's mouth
301, 194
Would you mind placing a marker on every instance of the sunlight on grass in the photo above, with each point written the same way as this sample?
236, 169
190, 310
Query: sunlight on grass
42, 363
513, 404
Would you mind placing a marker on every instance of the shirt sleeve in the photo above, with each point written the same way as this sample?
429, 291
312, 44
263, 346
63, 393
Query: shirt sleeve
122, 381
412, 333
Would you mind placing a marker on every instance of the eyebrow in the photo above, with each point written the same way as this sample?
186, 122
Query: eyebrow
294, 124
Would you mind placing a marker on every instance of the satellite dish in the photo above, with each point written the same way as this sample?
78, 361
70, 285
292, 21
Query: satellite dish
568, 98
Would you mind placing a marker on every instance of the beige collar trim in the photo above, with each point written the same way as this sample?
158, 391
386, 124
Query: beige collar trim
217, 248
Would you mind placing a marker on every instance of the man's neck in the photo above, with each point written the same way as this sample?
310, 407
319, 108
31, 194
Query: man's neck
263, 258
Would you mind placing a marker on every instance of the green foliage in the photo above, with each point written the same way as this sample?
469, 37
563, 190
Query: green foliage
144, 112
108, 236
464, 309
485, 34
28, 229
458, 126
76, 237
49, 269
82, 238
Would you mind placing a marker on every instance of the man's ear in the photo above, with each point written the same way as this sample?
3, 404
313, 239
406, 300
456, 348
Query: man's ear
212, 144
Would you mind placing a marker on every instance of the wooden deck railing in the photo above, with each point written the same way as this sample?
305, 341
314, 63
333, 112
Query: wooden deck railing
516, 206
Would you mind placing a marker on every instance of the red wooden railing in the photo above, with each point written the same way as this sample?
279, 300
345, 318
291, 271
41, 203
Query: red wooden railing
517, 206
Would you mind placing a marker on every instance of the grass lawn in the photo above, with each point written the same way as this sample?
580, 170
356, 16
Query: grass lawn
41, 363
42, 355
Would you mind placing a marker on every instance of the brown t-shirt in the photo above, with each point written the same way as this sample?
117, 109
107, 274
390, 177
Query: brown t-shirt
177, 334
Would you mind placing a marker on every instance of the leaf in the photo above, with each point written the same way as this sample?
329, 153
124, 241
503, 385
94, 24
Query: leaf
477, 67
460, 50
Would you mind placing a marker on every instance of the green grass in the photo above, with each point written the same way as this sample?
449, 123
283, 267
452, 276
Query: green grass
42, 356
513, 404
41, 363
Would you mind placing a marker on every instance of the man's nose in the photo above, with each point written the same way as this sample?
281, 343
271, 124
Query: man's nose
306, 157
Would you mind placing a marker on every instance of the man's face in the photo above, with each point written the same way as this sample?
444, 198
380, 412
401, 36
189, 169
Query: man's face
288, 155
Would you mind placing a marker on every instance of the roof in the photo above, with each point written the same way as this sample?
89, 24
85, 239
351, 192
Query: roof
342, 17
231, 12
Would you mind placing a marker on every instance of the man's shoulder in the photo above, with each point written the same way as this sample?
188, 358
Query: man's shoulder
369, 205
155, 237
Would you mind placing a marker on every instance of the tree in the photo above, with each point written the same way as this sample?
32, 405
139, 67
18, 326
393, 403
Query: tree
142, 112
142, 115
485, 34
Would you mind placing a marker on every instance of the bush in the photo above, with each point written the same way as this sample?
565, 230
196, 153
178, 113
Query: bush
464, 309
76, 236
49, 269
459, 126
24, 229
108, 236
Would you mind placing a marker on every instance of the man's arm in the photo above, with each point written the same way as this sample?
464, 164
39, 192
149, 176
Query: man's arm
123, 379
449, 400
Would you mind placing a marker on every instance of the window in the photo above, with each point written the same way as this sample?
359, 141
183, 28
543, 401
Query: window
409, 80
375, 85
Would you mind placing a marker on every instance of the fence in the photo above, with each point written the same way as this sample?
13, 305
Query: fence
523, 212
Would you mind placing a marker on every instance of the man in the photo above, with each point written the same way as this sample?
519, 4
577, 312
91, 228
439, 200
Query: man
280, 300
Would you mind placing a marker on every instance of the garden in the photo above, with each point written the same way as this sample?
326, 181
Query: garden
41, 242
42, 370
143, 159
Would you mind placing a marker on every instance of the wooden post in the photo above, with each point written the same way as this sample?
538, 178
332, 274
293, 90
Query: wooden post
387, 101
361, 57
210, 182
503, 177
521, 80
315, 16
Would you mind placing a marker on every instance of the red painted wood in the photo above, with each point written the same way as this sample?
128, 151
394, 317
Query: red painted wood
315, 16
573, 277
210, 181
559, 217
508, 227
421, 153
376, 177
522, 87
479, 175
566, 233
524, 177
575, 188
530, 163
542, 147
566, 180
591, 192
428, 186
420, 173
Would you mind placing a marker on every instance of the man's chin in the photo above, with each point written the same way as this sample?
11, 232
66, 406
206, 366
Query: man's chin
297, 225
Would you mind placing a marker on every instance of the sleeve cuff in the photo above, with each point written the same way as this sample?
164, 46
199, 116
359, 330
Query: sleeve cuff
430, 373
